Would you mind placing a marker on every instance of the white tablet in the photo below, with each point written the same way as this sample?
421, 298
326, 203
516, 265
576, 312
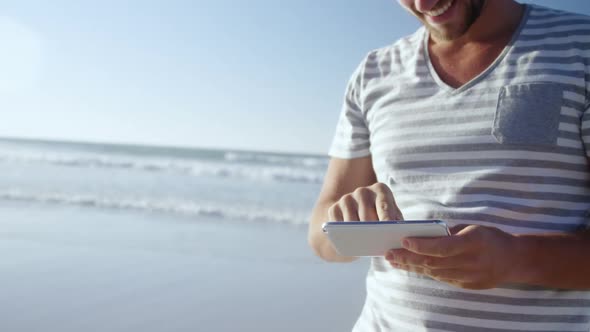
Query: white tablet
375, 238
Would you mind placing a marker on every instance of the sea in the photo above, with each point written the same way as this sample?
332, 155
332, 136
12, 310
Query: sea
201, 185
108, 237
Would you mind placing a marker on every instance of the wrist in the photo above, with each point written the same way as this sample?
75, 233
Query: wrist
521, 268
549, 260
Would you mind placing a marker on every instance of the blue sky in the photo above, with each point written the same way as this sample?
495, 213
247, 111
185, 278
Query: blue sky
259, 74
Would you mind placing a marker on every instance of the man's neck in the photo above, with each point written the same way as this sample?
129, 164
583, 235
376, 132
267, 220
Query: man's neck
459, 60
488, 28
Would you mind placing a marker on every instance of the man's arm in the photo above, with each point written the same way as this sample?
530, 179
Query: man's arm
342, 177
557, 261
480, 257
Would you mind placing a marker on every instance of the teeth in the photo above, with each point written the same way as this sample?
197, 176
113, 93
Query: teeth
441, 10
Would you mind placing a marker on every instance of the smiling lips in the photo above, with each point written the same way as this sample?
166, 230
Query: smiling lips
441, 10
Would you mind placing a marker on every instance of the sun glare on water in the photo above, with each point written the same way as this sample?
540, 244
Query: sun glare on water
20, 58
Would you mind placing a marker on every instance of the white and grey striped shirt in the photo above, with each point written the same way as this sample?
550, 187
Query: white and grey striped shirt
508, 149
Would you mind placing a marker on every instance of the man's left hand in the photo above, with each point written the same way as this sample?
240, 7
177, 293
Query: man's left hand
473, 257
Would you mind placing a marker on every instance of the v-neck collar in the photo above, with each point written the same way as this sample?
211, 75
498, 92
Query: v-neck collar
483, 74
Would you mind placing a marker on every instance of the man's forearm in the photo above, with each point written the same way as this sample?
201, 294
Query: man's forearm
554, 261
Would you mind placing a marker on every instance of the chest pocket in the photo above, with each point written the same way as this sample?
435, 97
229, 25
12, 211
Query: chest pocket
528, 114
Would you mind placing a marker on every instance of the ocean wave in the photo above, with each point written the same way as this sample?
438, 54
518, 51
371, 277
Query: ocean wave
178, 207
196, 168
311, 162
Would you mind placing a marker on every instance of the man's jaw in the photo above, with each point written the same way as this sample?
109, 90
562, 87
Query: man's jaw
448, 19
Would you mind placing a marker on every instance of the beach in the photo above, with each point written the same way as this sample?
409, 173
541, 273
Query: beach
106, 237
73, 268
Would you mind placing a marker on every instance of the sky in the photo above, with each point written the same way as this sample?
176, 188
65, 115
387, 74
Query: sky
261, 75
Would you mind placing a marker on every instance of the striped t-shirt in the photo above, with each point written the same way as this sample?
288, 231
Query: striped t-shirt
507, 149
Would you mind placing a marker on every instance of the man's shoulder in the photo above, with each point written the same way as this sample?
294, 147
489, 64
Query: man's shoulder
562, 33
397, 52
555, 17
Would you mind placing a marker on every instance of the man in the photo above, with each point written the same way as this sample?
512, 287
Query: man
479, 119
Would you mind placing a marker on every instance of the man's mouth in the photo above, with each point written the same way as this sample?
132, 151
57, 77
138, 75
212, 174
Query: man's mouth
440, 9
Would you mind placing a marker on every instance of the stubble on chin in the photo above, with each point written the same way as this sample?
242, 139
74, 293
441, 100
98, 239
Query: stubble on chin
470, 12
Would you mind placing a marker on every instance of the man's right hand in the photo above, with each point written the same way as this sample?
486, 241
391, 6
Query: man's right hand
349, 193
372, 203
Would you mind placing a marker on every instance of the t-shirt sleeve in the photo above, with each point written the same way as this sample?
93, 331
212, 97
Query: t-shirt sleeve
352, 139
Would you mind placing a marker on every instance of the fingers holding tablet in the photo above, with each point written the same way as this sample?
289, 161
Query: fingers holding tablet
375, 202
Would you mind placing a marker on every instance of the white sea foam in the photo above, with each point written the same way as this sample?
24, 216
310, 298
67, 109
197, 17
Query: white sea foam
176, 206
276, 159
309, 170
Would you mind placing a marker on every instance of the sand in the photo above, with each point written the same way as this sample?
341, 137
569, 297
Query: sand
83, 269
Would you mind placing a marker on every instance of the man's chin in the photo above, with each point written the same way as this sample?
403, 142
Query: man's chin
446, 34
466, 16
